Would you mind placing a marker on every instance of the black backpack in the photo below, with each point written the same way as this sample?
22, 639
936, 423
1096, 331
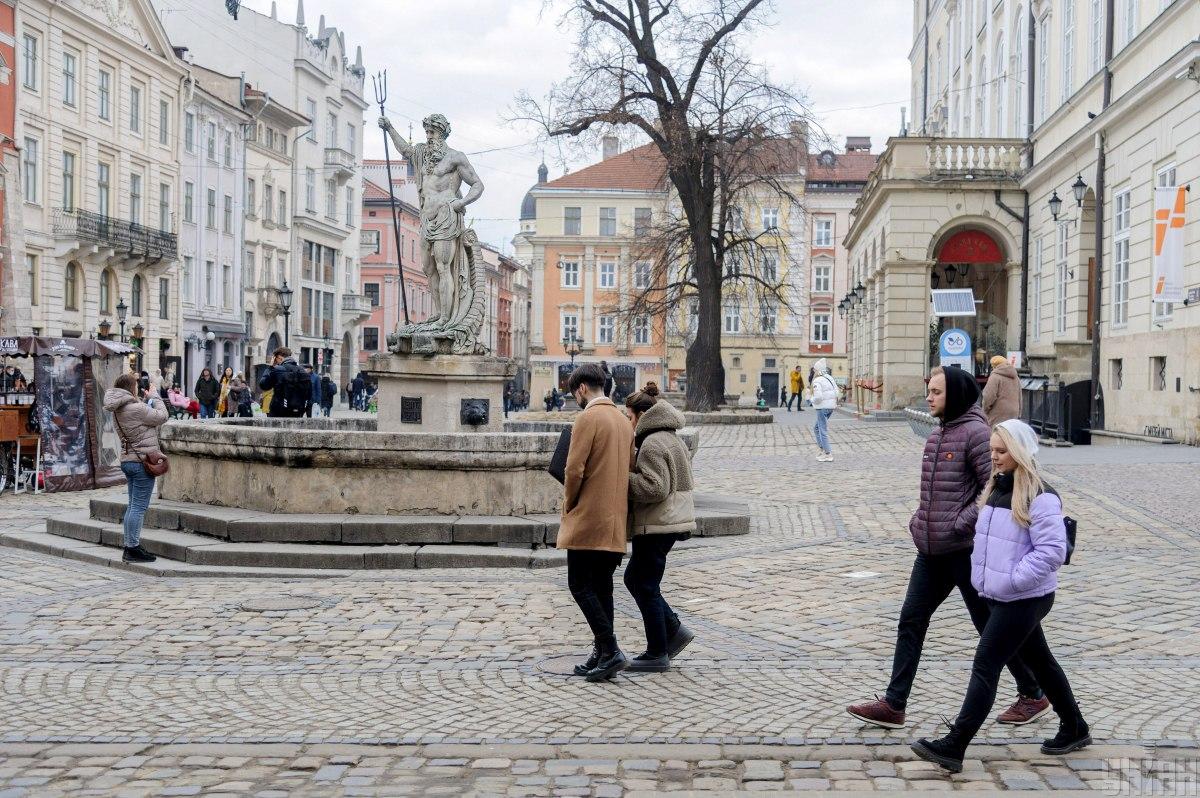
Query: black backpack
295, 388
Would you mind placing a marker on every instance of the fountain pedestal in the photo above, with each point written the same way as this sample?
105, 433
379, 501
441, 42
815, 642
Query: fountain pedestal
440, 393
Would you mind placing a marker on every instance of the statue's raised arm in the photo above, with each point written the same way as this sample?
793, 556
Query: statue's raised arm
402, 146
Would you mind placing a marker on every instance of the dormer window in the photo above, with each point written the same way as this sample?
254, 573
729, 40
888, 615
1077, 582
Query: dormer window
827, 158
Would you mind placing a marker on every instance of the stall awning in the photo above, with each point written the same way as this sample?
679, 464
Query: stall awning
71, 347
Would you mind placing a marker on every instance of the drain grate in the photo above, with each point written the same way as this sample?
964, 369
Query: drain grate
280, 603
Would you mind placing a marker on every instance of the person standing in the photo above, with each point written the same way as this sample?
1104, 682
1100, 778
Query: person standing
664, 512
137, 421
239, 398
824, 400
291, 389
796, 381
1002, 394
955, 469
594, 513
357, 390
328, 395
208, 391
224, 407
1020, 543
608, 379
314, 391
783, 397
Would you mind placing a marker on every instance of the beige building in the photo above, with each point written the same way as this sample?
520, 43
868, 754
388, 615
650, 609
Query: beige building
1003, 125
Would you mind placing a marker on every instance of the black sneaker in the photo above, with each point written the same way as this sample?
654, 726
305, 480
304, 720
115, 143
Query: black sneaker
679, 641
644, 663
582, 670
137, 554
608, 667
1070, 737
947, 752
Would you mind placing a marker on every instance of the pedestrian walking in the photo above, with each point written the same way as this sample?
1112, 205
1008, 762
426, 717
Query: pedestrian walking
783, 396
796, 381
358, 391
315, 393
290, 386
1002, 394
208, 391
595, 513
608, 379
239, 397
225, 409
1020, 543
824, 400
663, 513
955, 469
328, 395
137, 419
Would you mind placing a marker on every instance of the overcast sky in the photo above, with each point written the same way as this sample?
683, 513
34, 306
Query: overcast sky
469, 58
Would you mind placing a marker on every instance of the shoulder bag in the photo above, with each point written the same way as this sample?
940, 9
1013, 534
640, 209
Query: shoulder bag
155, 463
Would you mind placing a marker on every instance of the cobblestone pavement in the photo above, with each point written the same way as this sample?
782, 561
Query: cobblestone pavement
455, 682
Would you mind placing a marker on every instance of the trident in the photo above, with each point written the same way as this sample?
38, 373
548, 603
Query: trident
379, 81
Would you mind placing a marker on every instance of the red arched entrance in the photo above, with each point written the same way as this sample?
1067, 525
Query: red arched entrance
970, 246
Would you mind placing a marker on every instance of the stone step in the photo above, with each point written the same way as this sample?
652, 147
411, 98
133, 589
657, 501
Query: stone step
716, 516
205, 551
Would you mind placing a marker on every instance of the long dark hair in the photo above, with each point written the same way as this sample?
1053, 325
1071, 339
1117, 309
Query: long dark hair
641, 401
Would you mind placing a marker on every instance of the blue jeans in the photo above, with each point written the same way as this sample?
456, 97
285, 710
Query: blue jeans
141, 488
208, 411
822, 430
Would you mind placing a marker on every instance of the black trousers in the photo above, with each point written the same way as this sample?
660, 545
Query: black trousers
643, 578
590, 580
933, 578
1014, 628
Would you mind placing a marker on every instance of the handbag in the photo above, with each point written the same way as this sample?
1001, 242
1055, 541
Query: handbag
1069, 524
558, 462
155, 463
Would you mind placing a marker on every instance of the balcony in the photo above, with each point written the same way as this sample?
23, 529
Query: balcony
341, 162
134, 241
356, 306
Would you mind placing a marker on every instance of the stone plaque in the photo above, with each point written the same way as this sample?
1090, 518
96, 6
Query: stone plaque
410, 410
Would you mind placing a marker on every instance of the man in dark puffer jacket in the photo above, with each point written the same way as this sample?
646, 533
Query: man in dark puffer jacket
954, 470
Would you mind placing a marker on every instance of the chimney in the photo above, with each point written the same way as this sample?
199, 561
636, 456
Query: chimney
858, 144
274, 10
611, 146
300, 14
543, 173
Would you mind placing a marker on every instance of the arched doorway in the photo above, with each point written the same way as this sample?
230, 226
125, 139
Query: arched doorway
973, 259
273, 343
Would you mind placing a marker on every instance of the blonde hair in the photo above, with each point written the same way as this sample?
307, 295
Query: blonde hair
1028, 482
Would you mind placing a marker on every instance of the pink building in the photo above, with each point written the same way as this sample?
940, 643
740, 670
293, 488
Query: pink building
381, 261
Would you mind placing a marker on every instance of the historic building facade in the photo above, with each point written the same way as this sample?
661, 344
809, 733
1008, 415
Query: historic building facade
1031, 180
10, 195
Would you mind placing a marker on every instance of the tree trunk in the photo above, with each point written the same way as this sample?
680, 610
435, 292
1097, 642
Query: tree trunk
705, 371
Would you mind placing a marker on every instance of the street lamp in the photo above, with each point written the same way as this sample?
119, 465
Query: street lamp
105, 328
122, 314
935, 280
572, 344
285, 302
1055, 205
860, 291
842, 309
1078, 187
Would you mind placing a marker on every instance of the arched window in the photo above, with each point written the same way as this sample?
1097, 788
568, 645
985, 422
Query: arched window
71, 287
106, 291
135, 302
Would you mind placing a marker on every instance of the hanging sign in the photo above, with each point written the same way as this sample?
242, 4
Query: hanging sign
1169, 206
954, 349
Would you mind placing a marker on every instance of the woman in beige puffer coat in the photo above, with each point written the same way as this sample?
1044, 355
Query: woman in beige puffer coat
137, 422
662, 512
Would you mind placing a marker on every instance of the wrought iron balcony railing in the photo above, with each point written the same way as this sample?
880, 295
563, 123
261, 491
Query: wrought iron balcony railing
121, 235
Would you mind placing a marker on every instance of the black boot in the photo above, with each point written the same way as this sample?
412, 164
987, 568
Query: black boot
137, 554
1071, 737
947, 752
679, 641
647, 663
593, 658
611, 662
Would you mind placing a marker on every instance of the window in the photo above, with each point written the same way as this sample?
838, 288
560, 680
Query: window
103, 172
1096, 37
1068, 50
369, 242
71, 287
69, 78
249, 272
823, 278
186, 278
770, 267
349, 273
226, 286
164, 297
733, 317
349, 206
767, 316
331, 199
572, 221
189, 201
351, 138
311, 106
210, 141
1121, 233
370, 339
68, 181
29, 169
252, 198
210, 218
999, 87
31, 266
1158, 374
135, 296
641, 274
770, 218
1018, 80
135, 198
1129, 20
1043, 66
209, 266
283, 208
1164, 178
1116, 374
820, 328
268, 201
331, 131
164, 121
1061, 248
135, 109
608, 221
229, 148
823, 235
371, 292
641, 222
570, 325
189, 131
29, 45
641, 330
693, 316
310, 190
227, 215
570, 274
608, 275
104, 96
106, 291
604, 331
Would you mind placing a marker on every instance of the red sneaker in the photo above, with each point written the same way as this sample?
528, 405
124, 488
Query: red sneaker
1024, 710
878, 713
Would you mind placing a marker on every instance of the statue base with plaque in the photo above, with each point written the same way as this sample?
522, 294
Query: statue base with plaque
440, 393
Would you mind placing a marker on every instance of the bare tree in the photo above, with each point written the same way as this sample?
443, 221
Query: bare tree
678, 72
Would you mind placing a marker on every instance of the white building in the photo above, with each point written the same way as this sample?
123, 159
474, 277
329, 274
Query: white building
97, 99
211, 208
310, 72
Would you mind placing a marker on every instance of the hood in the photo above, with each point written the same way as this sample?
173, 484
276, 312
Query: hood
821, 367
1006, 370
663, 415
117, 397
962, 393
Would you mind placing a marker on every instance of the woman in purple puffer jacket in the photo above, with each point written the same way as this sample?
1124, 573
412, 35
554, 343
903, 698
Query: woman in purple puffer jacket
1020, 542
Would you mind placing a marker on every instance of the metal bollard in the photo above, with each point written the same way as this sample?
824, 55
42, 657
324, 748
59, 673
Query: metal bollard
1064, 409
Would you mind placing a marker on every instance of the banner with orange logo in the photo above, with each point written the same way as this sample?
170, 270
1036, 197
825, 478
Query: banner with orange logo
1169, 206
